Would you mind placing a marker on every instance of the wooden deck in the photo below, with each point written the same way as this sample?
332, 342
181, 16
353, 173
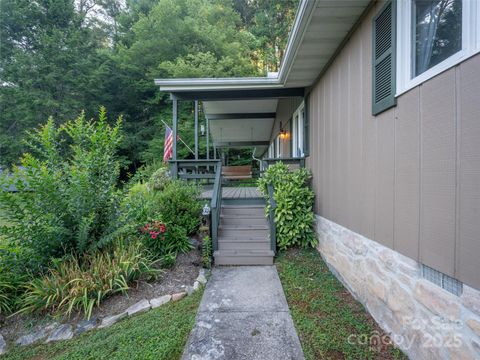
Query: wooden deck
235, 193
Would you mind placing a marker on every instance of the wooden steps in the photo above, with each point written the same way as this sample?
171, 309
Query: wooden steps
243, 236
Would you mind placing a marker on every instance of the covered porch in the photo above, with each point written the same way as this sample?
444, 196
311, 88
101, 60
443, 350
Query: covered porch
244, 118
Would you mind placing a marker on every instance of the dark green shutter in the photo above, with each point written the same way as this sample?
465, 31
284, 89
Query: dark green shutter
384, 62
306, 126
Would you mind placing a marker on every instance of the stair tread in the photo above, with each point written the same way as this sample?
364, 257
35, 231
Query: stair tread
256, 239
243, 216
243, 206
243, 227
244, 252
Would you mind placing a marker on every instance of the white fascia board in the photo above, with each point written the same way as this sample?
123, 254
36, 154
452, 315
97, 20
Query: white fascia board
217, 84
305, 11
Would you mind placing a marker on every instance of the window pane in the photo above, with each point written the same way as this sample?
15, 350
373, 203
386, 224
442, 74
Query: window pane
437, 32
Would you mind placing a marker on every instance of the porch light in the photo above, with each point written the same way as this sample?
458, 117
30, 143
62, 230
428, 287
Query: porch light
283, 134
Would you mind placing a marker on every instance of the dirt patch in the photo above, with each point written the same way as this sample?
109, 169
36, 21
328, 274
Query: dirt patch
170, 281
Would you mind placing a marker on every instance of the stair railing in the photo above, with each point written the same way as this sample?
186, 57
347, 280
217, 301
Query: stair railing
271, 218
200, 171
216, 205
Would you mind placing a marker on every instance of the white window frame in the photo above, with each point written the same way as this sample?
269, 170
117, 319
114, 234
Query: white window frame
470, 44
298, 123
277, 147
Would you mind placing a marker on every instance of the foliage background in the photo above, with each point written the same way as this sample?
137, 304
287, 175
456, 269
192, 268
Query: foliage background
58, 57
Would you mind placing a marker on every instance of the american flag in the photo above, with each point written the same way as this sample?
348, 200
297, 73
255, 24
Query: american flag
168, 145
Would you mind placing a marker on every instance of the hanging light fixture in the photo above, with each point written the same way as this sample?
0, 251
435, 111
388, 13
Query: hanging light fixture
283, 133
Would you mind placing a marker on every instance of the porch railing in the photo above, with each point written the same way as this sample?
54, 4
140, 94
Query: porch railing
216, 205
271, 218
203, 171
299, 161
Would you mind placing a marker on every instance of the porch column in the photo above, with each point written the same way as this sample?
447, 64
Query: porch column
174, 152
208, 141
196, 129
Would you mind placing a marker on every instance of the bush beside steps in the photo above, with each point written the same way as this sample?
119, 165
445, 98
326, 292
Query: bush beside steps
57, 332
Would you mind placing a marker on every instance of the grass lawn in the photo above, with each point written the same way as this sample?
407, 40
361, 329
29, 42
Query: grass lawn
323, 311
157, 334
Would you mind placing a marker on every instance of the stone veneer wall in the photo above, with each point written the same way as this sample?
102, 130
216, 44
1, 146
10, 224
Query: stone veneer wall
424, 320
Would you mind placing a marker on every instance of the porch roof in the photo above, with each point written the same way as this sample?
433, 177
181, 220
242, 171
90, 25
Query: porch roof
242, 110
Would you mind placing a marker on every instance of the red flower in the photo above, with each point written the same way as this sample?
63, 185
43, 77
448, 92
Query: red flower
162, 228
154, 236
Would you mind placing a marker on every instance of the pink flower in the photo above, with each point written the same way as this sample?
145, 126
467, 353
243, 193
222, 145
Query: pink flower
154, 236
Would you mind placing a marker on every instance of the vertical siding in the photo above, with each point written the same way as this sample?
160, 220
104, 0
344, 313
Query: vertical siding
407, 174
437, 190
409, 178
384, 178
468, 214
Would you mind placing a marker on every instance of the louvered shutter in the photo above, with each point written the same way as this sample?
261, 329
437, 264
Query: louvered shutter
384, 29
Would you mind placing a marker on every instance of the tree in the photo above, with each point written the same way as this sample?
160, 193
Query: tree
46, 60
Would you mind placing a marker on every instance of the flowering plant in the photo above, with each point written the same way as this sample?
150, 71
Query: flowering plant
154, 229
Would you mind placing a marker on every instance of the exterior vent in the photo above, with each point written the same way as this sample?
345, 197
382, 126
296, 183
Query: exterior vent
383, 61
444, 281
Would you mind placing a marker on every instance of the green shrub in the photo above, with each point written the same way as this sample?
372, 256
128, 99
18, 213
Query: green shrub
159, 179
68, 196
73, 285
177, 204
294, 217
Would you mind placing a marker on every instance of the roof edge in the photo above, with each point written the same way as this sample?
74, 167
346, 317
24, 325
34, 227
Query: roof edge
302, 19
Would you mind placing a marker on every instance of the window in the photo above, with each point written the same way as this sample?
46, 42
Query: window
297, 131
277, 147
270, 151
434, 35
306, 127
436, 32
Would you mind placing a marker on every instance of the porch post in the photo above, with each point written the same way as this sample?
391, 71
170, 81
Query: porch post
196, 129
174, 152
208, 141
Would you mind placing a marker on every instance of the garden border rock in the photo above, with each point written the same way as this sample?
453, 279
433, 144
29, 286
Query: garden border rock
58, 332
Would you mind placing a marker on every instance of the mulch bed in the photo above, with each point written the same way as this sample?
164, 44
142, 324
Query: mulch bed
170, 281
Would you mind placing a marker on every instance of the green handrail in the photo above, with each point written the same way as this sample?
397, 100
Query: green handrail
271, 218
216, 205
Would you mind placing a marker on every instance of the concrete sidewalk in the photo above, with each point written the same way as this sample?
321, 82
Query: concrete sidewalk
243, 315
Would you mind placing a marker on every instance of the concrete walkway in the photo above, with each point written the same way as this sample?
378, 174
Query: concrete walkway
243, 315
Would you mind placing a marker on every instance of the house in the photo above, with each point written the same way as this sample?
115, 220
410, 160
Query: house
382, 100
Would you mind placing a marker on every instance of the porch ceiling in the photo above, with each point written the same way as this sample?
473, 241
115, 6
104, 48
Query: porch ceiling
241, 123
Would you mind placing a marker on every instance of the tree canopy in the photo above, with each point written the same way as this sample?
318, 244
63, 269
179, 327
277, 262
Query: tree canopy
59, 57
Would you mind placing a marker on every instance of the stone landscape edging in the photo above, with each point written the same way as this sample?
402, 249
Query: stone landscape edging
58, 332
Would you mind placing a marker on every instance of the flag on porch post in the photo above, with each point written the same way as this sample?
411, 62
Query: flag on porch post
168, 145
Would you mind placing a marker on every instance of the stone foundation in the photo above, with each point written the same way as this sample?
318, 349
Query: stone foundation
423, 320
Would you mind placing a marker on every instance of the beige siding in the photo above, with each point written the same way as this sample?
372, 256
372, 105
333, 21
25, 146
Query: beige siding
437, 166
468, 172
407, 174
410, 177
